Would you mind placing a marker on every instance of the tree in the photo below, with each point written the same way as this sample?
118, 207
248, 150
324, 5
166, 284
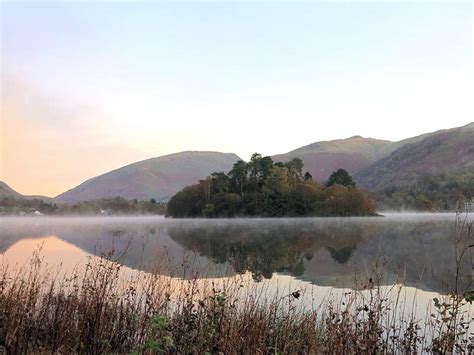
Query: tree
340, 177
295, 167
220, 183
188, 202
254, 169
266, 167
238, 177
263, 188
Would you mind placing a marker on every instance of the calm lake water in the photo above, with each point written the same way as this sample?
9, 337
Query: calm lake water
327, 255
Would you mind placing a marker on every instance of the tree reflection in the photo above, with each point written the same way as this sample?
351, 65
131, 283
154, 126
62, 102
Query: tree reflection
267, 249
328, 252
335, 252
342, 255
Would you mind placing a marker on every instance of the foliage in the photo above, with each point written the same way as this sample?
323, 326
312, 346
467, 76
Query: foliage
444, 192
263, 188
110, 206
340, 177
17, 206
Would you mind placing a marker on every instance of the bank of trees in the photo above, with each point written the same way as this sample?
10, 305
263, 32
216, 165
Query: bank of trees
264, 188
17, 206
444, 192
105, 206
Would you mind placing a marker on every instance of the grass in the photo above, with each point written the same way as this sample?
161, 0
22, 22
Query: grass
102, 308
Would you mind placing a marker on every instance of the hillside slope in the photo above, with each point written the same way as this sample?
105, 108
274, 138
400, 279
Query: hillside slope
158, 178
7, 192
352, 154
355, 154
443, 152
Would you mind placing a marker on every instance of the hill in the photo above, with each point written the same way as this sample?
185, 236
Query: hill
377, 165
352, 154
7, 192
440, 153
158, 178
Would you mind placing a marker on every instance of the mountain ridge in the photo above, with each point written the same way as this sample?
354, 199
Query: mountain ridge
375, 164
322, 158
158, 177
7, 192
441, 152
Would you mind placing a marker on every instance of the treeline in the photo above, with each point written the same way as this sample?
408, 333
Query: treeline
445, 192
267, 189
108, 206
17, 206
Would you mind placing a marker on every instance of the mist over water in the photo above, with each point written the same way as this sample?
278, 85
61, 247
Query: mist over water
413, 249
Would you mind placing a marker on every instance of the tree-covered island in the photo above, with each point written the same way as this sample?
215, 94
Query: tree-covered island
267, 189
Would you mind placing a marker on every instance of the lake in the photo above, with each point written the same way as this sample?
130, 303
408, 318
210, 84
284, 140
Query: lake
326, 257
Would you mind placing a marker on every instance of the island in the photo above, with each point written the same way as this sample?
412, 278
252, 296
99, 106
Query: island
263, 188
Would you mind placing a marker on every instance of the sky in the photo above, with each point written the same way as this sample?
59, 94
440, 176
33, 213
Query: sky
87, 86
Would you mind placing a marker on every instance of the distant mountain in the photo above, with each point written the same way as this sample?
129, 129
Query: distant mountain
7, 191
442, 152
375, 164
352, 154
355, 154
158, 178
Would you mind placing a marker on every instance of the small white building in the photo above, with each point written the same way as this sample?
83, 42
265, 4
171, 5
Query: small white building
469, 206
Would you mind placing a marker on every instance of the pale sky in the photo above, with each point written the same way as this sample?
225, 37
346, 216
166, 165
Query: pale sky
91, 86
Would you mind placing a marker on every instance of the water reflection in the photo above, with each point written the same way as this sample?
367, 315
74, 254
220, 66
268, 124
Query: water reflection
337, 252
416, 250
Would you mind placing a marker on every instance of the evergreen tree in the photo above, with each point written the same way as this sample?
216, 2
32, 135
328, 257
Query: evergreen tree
340, 177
